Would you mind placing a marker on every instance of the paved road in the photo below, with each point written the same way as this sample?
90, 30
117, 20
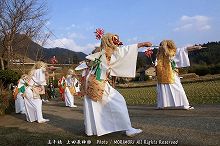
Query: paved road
194, 127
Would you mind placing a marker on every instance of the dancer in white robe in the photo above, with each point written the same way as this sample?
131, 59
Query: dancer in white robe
19, 101
72, 87
33, 102
170, 92
110, 114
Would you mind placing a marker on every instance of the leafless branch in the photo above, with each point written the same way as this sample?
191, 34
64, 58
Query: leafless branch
25, 17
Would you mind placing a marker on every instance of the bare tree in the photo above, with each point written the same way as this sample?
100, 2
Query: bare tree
41, 39
25, 17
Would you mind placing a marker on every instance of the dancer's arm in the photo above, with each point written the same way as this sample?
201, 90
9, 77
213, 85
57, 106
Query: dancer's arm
144, 44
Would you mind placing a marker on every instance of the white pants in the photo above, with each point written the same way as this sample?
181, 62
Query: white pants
69, 98
19, 104
171, 95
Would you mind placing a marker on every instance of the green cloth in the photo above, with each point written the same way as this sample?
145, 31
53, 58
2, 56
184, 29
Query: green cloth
98, 73
22, 89
96, 65
173, 64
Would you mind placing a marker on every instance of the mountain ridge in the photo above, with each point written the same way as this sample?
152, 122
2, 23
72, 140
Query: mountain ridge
30, 50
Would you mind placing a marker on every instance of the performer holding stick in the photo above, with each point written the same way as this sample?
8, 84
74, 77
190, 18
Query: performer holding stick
170, 92
105, 110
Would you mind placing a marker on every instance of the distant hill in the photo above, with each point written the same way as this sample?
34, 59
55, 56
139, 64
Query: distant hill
205, 61
29, 49
208, 56
63, 55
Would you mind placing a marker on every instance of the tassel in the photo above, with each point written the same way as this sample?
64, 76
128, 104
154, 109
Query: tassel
98, 73
22, 89
173, 64
97, 63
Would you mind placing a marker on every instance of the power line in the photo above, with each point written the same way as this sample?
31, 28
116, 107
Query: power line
55, 36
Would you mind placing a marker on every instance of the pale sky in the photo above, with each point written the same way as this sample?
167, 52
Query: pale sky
184, 21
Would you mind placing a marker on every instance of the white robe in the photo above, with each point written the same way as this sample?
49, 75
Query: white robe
69, 98
33, 105
173, 95
19, 102
110, 114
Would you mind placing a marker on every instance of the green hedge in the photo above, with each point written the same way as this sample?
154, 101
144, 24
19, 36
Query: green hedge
9, 76
205, 69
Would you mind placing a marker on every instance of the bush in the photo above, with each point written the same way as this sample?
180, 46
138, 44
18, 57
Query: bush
141, 78
215, 69
202, 71
205, 69
6, 100
9, 76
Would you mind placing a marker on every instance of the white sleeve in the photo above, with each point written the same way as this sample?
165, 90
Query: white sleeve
181, 58
93, 56
123, 61
21, 83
